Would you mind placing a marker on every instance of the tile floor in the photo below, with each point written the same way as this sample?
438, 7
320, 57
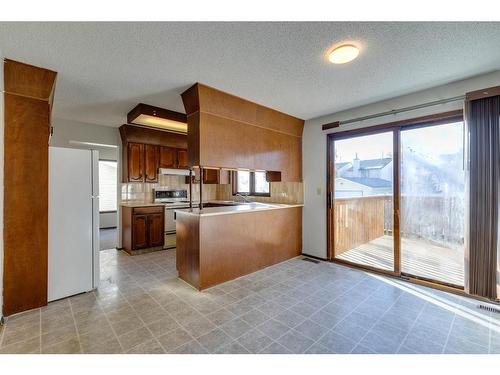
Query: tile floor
292, 307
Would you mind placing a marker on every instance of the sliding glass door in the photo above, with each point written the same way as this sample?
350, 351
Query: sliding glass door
362, 204
432, 203
397, 199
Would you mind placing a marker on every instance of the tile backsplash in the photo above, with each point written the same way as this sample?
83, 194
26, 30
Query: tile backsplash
281, 192
142, 192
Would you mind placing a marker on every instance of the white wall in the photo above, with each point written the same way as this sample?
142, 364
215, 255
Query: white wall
1, 182
314, 147
66, 131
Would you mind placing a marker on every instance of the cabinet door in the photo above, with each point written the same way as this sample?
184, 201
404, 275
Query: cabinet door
135, 162
151, 163
210, 176
156, 230
182, 159
168, 157
139, 232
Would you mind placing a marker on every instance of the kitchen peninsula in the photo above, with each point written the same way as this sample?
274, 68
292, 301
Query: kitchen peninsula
217, 244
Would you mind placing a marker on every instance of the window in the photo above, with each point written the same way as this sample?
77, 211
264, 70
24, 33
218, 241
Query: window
250, 183
107, 185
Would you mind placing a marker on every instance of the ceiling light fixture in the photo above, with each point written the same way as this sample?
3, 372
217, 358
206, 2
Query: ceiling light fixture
155, 117
343, 54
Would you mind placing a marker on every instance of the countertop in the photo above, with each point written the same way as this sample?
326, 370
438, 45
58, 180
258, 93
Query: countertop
170, 205
242, 208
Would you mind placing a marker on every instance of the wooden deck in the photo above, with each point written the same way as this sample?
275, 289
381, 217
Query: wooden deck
418, 258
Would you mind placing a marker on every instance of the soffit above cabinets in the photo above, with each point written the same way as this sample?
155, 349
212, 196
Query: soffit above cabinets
227, 131
159, 118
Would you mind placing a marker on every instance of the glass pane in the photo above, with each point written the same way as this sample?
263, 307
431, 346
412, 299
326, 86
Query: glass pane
107, 185
363, 211
261, 185
432, 203
243, 181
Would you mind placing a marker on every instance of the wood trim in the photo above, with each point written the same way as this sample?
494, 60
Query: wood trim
396, 199
146, 109
483, 93
28, 81
26, 174
433, 119
330, 188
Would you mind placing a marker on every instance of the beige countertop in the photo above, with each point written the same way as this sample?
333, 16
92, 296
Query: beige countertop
250, 207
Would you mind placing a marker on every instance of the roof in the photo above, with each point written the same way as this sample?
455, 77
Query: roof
341, 164
370, 181
373, 163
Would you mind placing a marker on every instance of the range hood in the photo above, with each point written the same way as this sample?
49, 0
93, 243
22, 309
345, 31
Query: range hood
173, 172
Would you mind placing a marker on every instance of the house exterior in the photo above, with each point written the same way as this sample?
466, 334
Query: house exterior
363, 177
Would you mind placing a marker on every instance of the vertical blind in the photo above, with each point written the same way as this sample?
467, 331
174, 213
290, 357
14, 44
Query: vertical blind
107, 185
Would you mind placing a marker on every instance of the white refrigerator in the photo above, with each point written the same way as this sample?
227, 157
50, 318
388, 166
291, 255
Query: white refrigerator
73, 264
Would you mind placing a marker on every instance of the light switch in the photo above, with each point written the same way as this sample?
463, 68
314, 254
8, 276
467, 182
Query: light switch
318, 191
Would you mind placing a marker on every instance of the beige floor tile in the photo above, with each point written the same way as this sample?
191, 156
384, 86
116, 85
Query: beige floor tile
89, 324
148, 347
58, 335
14, 333
174, 339
71, 346
52, 322
24, 347
111, 346
97, 334
125, 326
134, 338
162, 326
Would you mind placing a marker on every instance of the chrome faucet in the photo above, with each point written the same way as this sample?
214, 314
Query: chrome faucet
244, 197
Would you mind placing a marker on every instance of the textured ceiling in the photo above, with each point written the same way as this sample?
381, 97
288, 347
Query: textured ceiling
105, 69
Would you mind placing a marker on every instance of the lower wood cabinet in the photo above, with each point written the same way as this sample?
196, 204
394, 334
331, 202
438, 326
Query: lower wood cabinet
142, 228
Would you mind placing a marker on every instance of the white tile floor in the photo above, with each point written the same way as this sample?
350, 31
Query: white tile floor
292, 307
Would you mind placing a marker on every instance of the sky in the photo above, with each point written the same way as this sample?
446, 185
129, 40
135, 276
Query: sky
431, 141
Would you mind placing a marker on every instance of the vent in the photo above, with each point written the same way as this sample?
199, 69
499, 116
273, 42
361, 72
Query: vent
311, 260
489, 308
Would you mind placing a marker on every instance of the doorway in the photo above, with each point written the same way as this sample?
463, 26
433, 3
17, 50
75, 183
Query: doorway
396, 199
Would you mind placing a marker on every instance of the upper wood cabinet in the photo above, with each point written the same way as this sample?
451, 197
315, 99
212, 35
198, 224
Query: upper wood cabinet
182, 159
135, 162
151, 163
168, 157
146, 150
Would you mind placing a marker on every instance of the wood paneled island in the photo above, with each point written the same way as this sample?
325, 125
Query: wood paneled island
219, 244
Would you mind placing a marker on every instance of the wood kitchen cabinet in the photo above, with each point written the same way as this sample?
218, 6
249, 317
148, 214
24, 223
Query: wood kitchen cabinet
143, 228
211, 176
146, 150
182, 159
135, 162
151, 159
168, 157
171, 157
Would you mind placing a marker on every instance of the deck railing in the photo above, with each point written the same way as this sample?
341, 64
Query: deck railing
359, 220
